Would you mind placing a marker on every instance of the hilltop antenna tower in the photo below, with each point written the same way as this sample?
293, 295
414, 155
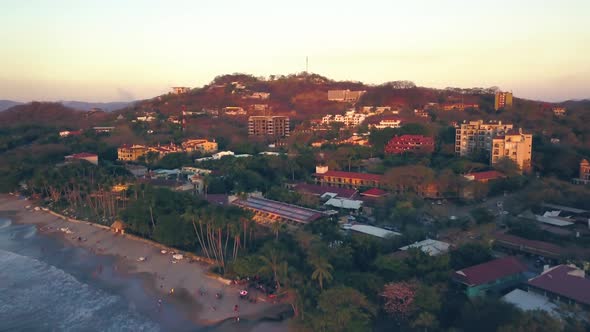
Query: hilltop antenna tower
306, 64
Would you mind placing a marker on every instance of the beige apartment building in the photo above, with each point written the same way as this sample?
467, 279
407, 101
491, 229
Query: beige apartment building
275, 126
502, 100
516, 146
131, 153
199, 145
477, 136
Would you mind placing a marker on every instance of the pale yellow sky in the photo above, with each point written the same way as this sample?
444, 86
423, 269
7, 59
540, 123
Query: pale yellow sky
113, 50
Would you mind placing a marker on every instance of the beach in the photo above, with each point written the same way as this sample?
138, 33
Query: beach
184, 282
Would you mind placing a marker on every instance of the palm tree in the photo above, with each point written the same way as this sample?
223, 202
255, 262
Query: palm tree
272, 264
276, 227
322, 270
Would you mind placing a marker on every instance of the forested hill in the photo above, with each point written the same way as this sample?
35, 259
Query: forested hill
305, 96
50, 114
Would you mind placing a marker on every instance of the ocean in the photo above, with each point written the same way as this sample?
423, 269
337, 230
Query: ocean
46, 285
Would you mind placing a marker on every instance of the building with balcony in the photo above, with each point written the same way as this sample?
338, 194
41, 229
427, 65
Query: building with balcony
346, 179
350, 118
387, 123
584, 173
131, 152
516, 146
502, 100
234, 110
410, 143
273, 126
459, 106
199, 145
477, 136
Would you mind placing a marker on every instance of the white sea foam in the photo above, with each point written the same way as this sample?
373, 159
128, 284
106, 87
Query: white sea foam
53, 299
5, 222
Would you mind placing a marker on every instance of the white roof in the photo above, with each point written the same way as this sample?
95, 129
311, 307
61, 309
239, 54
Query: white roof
372, 230
564, 208
555, 221
430, 247
167, 171
529, 301
344, 203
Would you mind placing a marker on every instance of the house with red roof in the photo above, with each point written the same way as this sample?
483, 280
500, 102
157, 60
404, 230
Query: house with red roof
516, 244
484, 177
374, 193
563, 283
346, 179
493, 276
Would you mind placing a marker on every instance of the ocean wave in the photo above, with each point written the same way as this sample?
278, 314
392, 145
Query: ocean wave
39, 296
5, 222
20, 232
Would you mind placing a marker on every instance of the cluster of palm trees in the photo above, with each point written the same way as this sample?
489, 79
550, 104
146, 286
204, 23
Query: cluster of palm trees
80, 185
217, 228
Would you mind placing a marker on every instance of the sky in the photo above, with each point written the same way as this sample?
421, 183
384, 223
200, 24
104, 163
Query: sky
120, 50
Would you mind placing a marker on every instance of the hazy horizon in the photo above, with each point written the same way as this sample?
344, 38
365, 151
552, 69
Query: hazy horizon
110, 51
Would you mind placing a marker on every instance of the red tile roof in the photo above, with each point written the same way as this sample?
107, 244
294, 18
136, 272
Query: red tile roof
485, 176
558, 280
351, 175
374, 192
490, 271
539, 247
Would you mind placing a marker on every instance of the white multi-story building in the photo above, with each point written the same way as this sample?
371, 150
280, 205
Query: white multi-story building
477, 135
387, 123
350, 118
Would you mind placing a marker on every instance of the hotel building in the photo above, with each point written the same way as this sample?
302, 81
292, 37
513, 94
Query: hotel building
477, 136
514, 145
275, 126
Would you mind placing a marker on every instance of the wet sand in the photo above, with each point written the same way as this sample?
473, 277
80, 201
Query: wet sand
161, 272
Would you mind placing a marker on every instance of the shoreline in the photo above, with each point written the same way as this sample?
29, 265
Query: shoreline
174, 281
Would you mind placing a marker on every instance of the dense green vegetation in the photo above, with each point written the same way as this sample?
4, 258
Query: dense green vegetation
334, 280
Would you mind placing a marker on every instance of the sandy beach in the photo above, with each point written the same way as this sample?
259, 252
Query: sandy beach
161, 272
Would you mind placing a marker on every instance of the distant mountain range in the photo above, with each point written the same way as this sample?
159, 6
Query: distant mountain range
77, 105
6, 104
